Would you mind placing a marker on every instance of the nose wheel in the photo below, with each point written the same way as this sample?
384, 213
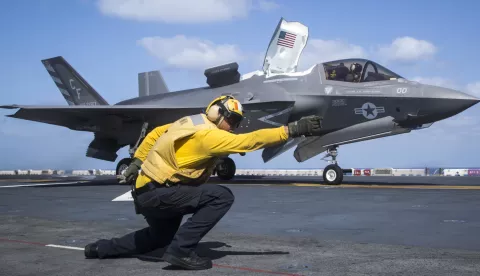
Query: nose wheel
332, 174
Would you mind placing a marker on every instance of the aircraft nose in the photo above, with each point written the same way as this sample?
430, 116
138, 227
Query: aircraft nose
441, 103
459, 101
458, 95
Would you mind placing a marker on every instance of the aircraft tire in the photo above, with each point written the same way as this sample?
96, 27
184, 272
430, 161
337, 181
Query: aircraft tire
122, 165
228, 171
332, 175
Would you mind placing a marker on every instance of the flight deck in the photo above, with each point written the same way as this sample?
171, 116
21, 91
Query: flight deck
277, 226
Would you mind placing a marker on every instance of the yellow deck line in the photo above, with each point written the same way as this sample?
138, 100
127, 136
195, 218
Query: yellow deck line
382, 186
367, 185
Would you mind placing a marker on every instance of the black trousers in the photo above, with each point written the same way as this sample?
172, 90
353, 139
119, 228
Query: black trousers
163, 209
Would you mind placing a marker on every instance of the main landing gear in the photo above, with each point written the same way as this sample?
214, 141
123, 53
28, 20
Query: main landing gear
123, 165
225, 168
125, 162
332, 174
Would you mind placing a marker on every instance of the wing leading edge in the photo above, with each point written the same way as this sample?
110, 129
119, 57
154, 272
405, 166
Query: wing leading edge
94, 118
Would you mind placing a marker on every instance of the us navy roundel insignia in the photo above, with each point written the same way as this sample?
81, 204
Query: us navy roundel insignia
369, 110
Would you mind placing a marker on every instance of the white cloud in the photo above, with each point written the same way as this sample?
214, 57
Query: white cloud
402, 49
182, 11
191, 53
407, 49
266, 5
318, 50
474, 88
194, 53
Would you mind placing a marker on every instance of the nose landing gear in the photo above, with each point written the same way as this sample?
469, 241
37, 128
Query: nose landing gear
332, 174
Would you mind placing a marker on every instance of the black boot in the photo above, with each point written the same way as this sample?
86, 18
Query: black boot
91, 251
191, 262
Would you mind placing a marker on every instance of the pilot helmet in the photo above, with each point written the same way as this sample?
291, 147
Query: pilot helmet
356, 68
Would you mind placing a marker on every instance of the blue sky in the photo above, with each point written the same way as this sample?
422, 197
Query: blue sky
109, 42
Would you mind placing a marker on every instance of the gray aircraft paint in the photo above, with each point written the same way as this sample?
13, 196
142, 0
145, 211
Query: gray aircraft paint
151, 83
396, 106
267, 102
75, 89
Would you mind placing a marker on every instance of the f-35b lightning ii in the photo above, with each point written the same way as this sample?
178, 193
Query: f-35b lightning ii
358, 100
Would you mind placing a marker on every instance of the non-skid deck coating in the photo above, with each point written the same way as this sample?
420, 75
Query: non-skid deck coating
270, 230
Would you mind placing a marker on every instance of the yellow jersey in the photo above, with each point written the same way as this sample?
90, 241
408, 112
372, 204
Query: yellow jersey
197, 149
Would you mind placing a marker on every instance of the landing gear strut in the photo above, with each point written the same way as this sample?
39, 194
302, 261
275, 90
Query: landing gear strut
225, 169
125, 162
332, 174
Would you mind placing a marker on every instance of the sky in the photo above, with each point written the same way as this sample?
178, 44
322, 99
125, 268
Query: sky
110, 41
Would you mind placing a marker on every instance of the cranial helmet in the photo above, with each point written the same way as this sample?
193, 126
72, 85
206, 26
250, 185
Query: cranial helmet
356, 68
225, 108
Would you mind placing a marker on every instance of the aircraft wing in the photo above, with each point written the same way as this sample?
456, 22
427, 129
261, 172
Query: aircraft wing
113, 126
93, 118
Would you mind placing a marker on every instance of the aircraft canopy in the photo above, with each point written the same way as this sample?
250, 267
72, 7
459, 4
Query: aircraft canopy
357, 70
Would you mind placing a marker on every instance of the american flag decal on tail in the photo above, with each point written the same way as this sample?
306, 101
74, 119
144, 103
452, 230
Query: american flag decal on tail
286, 39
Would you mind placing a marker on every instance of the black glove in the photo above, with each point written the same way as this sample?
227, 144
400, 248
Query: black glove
307, 126
132, 171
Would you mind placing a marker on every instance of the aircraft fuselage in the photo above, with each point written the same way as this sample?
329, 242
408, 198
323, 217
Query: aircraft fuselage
277, 100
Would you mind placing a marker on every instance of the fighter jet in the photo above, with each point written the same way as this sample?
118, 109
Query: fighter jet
358, 100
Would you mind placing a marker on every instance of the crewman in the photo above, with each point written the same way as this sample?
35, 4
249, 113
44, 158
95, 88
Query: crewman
175, 160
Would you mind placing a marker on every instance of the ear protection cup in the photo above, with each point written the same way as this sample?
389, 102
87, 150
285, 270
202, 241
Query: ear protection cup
216, 110
213, 113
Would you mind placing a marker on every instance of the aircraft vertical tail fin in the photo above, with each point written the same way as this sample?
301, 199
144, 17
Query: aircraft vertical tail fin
151, 83
74, 88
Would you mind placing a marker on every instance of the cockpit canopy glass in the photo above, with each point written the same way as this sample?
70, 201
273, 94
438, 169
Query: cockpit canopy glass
357, 70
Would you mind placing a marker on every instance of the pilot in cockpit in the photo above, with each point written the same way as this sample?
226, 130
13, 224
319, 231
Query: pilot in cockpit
355, 73
343, 73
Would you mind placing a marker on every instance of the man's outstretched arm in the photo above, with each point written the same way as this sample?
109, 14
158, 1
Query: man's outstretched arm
219, 142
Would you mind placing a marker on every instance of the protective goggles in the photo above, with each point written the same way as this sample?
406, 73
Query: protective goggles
233, 119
